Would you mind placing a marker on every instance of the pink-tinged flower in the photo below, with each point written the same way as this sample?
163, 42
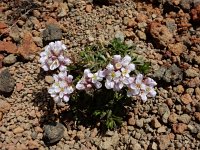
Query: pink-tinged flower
141, 87
90, 80
62, 87
53, 57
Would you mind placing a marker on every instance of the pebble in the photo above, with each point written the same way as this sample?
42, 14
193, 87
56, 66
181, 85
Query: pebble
88, 8
18, 130
49, 79
155, 123
33, 145
186, 99
139, 123
185, 118
191, 73
4, 106
1, 115
179, 128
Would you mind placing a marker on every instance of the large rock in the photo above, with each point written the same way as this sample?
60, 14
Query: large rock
52, 33
7, 83
172, 74
53, 132
160, 34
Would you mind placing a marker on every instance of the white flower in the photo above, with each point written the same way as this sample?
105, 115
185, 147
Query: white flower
90, 80
141, 87
62, 87
54, 57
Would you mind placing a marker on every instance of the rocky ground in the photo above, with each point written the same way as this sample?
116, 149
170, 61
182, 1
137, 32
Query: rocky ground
166, 32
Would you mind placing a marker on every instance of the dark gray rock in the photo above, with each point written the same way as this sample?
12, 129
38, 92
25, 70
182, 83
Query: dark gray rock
7, 83
173, 74
53, 132
52, 33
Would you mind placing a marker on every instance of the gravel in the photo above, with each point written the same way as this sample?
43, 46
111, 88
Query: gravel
166, 35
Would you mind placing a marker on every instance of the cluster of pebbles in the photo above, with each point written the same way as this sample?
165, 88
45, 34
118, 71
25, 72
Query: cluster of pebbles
165, 32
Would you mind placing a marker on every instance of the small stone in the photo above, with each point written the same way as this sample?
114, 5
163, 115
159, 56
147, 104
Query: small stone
137, 146
162, 129
1, 115
63, 9
141, 35
179, 128
198, 135
38, 41
88, 8
154, 146
155, 123
18, 130
192, 129
197, 116
140, 123
177, 49
163, 141
10, 59
173, 118
186, 99
49, 79
131, 119
191, 73
33, 145
52, 33
7, 83
164, 112
4, 106
120, 35
80, 135
19, 86
195, 14
185, 118
53, 132
180, 89
131, 23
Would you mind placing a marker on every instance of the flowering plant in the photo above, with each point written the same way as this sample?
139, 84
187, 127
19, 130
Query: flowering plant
108, 80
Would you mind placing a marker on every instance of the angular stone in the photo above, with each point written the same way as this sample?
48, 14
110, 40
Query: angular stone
28, 47
53, 132
10, 59
161, 34
52, 33
7, 83
179, 128
9, 47
186, 99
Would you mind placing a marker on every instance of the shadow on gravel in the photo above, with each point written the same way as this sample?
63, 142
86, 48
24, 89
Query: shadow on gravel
45, 104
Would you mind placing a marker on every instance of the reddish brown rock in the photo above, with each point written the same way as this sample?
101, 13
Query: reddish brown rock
3, 28
9, 47
186, 99
195, 82
177, 48
197, 116
179, 128
161, 34
163, 141
131, 23
195, 13
1, 60
19, 86
28, 46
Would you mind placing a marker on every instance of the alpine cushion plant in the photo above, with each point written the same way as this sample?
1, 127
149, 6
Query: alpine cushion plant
116, 77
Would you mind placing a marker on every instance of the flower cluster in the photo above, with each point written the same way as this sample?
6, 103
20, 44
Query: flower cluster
142, 87
117, 74
54, 57
62, 87
90, 80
